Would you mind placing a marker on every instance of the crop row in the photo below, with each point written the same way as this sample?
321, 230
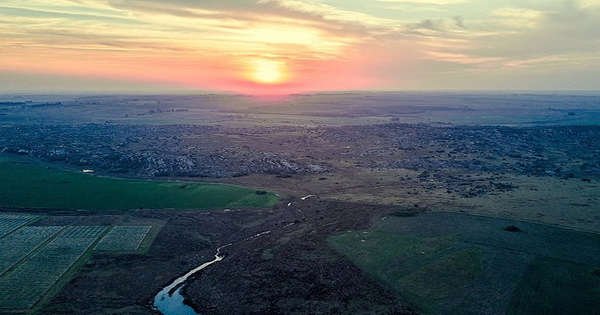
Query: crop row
9, 222
26, 284
123, 238
17, 245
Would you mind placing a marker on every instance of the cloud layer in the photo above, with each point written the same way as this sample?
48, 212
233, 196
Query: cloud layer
324, 45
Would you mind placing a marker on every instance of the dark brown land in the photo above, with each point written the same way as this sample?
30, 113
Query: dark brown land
290, 269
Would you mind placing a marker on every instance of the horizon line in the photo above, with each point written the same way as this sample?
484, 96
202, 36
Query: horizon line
357, 91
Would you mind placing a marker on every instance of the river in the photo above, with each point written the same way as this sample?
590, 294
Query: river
169, 300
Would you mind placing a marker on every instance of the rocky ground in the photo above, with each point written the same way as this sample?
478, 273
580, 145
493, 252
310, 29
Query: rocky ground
456, 157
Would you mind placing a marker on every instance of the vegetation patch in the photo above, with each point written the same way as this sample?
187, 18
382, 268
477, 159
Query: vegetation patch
442, 279
16, 246
552, 286
37, 261
124, 238
28, 184
446, 263
25, 285
375, 250
512, 228
409, 264
9, 222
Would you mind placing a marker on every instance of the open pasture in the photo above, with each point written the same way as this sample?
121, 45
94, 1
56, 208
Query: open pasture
452, 263
25, 285
123, 238
29, 184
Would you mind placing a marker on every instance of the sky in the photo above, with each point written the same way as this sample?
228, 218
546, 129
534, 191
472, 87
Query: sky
296, 46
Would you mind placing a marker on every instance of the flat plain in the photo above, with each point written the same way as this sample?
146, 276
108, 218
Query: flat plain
436, 203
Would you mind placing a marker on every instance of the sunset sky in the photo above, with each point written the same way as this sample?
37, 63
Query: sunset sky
288, 46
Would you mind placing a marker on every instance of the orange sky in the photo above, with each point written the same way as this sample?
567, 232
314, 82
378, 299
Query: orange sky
289, 46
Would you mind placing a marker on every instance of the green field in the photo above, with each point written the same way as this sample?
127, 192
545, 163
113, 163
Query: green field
27, 184
446, 263
123, 238
25, 285
20, 243
9, 222
542, 289
36, 261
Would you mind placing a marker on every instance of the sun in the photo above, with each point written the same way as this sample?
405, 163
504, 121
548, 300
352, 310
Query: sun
266, 71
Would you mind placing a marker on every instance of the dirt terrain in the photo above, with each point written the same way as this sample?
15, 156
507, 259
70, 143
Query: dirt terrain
289, 269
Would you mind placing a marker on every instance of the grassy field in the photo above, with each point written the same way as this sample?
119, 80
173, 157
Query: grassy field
446, 263
553, 286
27, 184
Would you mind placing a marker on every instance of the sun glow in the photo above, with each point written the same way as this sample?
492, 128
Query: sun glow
267, 71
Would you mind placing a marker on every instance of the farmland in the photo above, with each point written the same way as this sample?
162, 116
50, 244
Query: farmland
9, 223
123, 238
19, 244
27, 184
453, 263
36, 260
28, 282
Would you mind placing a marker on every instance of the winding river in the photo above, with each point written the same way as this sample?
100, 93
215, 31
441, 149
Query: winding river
169, 300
